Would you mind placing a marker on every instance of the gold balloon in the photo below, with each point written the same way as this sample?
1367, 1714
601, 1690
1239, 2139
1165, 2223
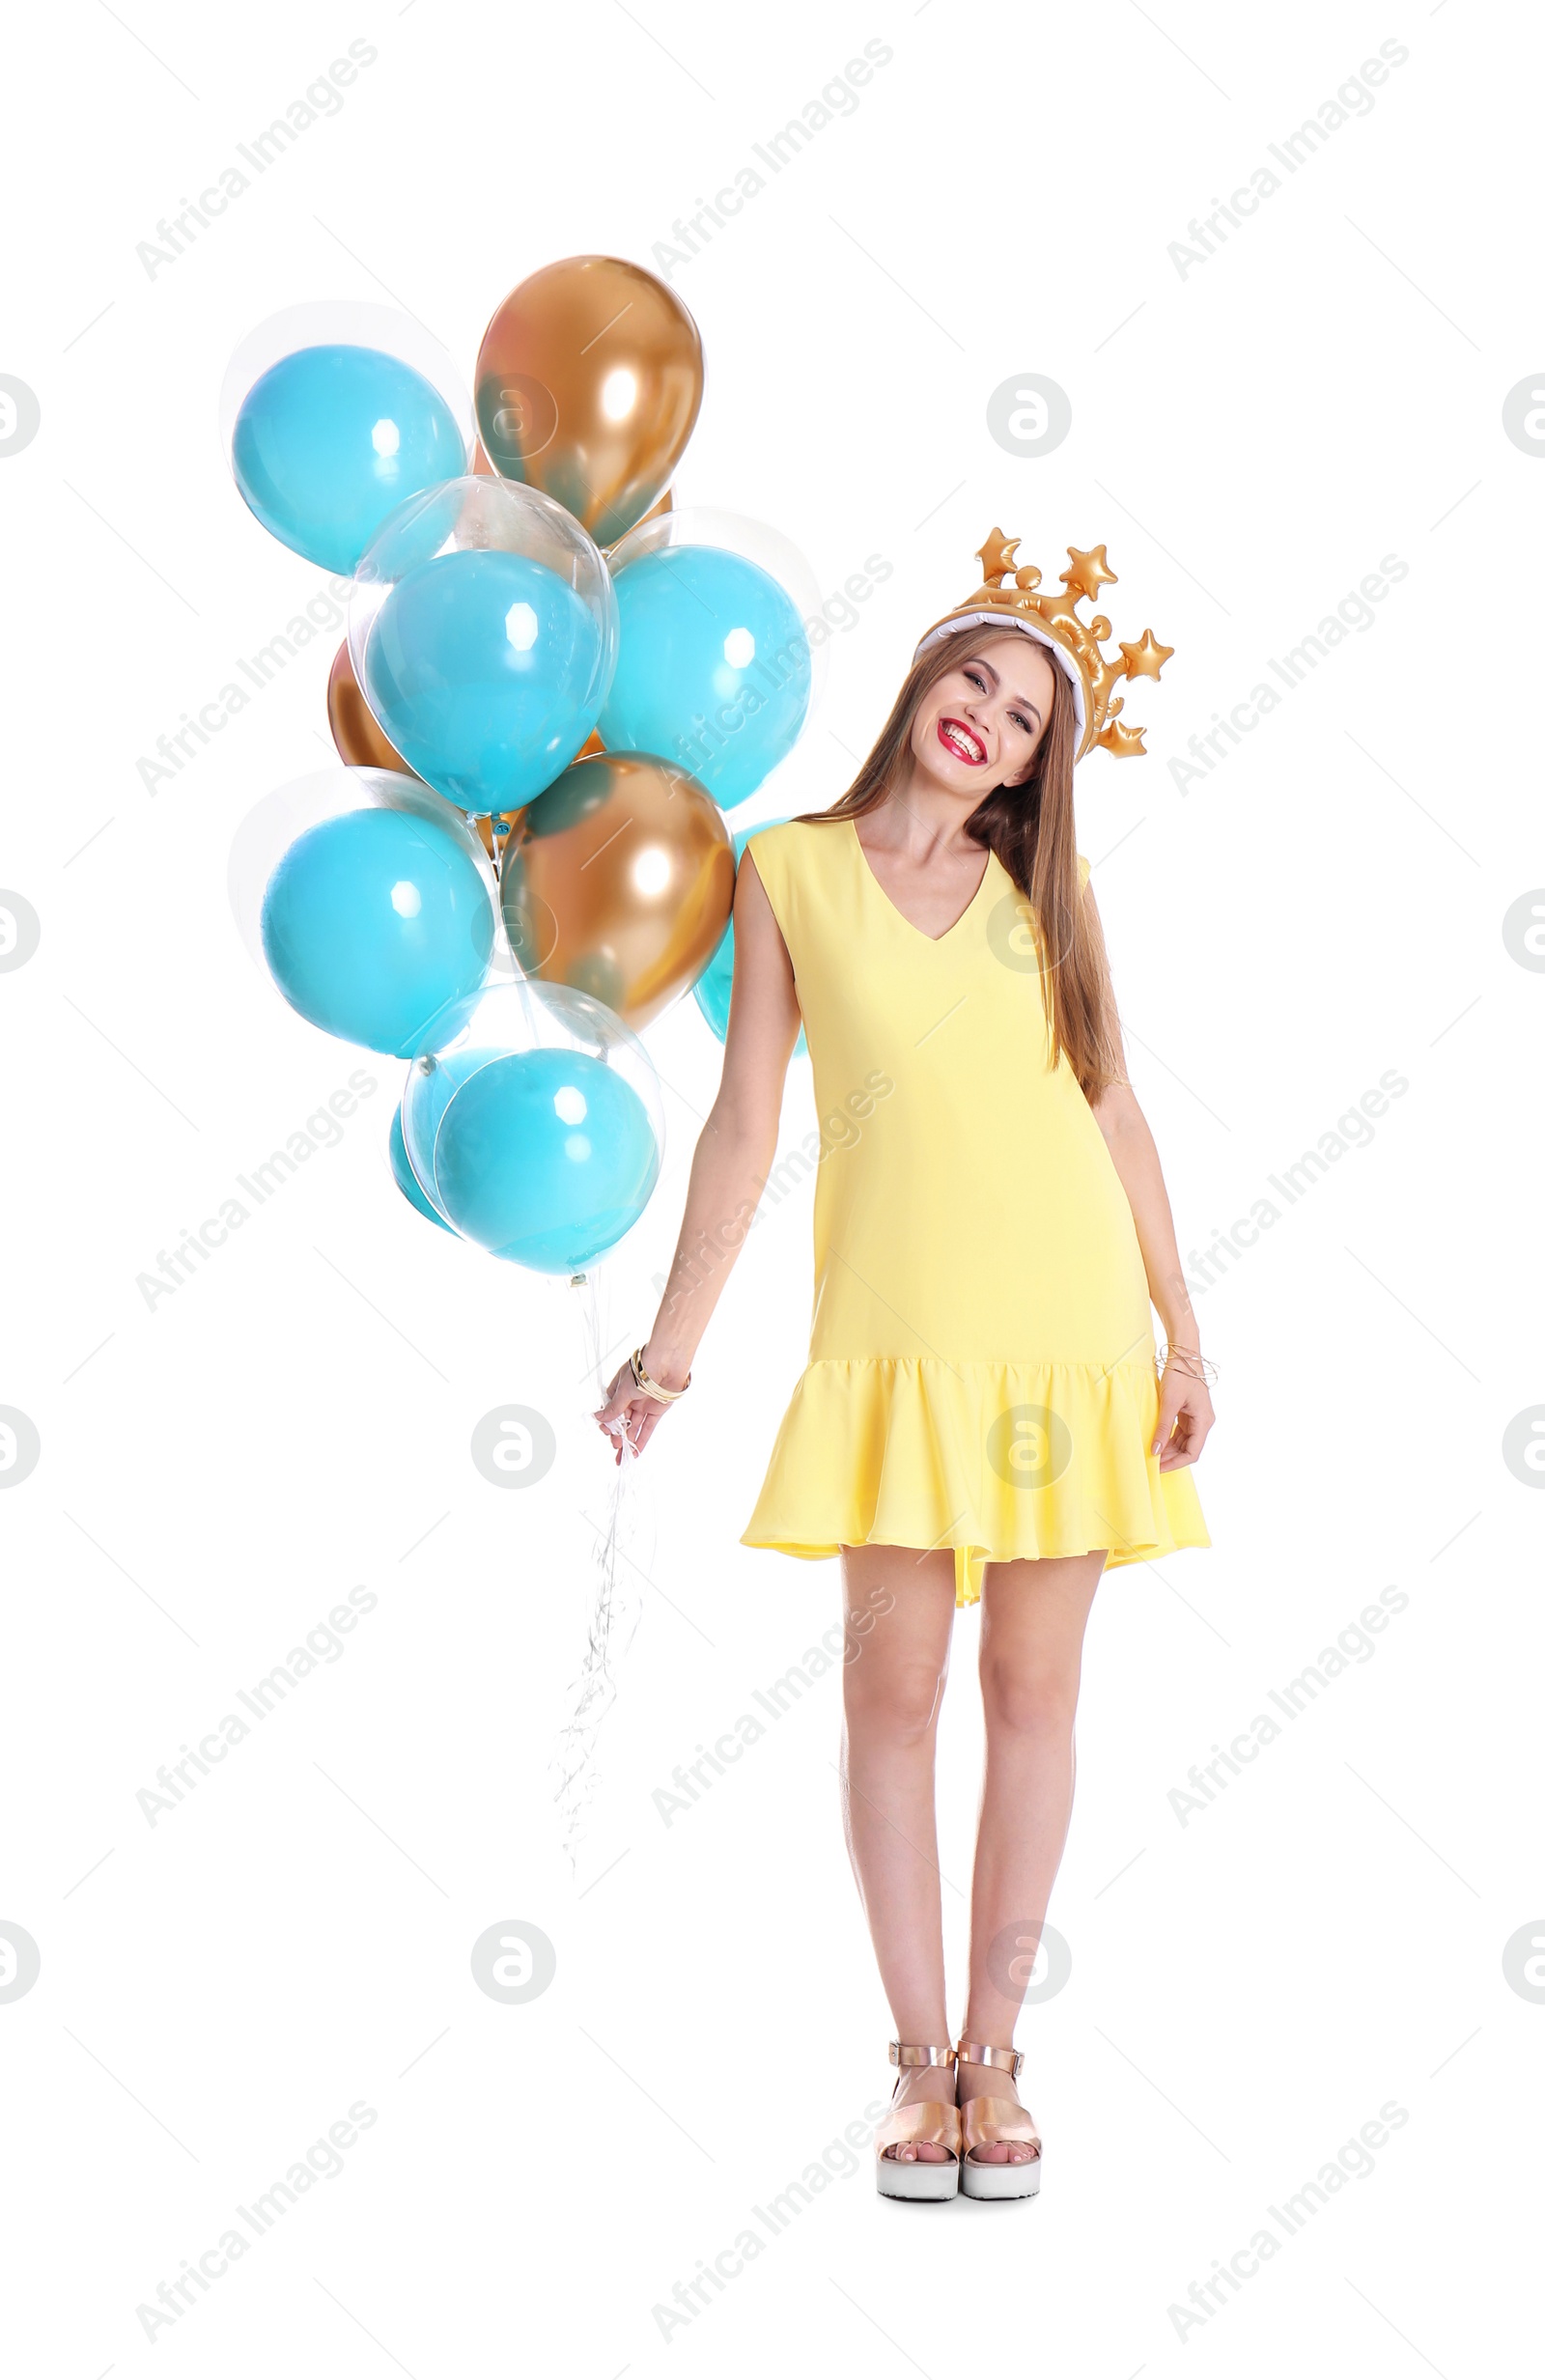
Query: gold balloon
618, 881
482, 469
355, 731
494, 833
653, 514
588, 381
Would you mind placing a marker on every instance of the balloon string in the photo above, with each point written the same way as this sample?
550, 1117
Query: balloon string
614, 1606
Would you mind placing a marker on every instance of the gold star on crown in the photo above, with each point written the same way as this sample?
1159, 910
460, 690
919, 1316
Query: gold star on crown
1080, 640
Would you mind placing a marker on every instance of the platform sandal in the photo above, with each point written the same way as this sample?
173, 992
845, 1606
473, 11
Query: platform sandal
935, 2120
985, 2120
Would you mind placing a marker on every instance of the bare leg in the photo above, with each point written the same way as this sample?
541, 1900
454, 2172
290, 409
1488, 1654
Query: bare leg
898, 1608
1033, 1619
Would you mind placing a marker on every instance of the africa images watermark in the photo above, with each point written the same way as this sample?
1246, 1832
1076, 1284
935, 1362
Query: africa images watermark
1354, 2161
325, 614
708, 738
690, 235
1352, 1130
175, 1780
321, 2161
1354, 97
842, 1641
838, 2161
325, 96
1353, 614
323, 1130
1355, 1643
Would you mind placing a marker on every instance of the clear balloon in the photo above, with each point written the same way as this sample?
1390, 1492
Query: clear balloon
368, 901
273, 823
405, 1178
332, 415
533, 1123
483, 633
372, 922
715, 669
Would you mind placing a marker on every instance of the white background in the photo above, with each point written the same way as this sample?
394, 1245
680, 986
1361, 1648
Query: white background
1250, 438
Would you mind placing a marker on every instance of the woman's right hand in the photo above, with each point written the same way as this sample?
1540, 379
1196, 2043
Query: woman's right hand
629, 1414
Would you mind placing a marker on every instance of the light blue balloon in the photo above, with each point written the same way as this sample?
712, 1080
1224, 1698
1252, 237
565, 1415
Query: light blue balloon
372, 921
544, 1157
331, 439
405, 1178
711, 989
483, 668
713, 667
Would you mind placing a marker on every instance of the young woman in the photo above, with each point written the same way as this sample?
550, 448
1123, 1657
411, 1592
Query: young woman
980, 1418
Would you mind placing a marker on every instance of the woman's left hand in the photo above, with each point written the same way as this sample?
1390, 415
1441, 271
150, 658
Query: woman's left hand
1184, 1417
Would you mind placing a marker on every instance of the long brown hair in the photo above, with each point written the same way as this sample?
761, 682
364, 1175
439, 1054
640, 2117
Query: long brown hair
1030, 829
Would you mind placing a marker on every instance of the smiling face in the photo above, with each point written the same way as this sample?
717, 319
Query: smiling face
981, 724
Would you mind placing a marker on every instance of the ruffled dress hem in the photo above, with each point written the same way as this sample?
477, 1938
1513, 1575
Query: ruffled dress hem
999, 1462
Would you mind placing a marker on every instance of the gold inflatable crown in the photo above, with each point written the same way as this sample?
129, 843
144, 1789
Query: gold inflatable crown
1053, 619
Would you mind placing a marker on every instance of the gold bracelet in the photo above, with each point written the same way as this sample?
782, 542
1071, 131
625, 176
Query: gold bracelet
1184, 1359
651, 1387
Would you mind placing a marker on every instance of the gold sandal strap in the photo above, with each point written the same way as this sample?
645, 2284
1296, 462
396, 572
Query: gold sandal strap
985, 2122
931, 2121
910, 2054
981, 2053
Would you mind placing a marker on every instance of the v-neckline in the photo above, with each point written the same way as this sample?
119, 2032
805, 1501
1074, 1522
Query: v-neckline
908, 922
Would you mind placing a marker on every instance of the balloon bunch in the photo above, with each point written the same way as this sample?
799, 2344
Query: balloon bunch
555, 685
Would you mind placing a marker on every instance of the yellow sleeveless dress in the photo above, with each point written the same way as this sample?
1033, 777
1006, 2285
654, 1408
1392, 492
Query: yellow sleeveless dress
981, 1371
